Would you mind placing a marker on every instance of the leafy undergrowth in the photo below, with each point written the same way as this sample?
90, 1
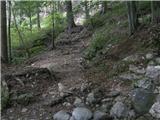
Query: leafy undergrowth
37, 40
110, 44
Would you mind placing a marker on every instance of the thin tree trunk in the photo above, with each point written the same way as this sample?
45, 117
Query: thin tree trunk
86, 9
155, 8
19, 33
9, 31
38, 19
52, 41
70, 17
30, 19
4, 49
132, 16
104, 7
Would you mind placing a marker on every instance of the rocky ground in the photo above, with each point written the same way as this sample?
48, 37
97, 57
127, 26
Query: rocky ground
55, 86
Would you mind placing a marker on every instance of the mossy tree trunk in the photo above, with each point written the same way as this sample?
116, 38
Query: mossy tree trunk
86, 9
4, 46
155, 7
70, 17
132, 16
104, 7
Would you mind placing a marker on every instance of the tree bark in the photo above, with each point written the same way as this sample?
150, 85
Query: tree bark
70, 17
9, 31
52, 41
104, 7
86, 9
4, 47
38, 18
30, 19
132, 16
155, 8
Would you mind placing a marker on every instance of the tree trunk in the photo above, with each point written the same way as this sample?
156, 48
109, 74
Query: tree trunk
38, 19
132, 16
86, 9
19, 33
30, 19
70, 17
104, 7
4, 49
155, 7
9, 31
52, 41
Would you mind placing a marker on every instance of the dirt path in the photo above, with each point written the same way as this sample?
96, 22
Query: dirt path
64, 61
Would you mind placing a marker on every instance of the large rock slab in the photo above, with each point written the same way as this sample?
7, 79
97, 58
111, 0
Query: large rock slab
142, 100
61, 115
81, 113
155, 110
119, 110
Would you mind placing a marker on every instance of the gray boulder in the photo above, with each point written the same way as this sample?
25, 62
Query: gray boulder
91, 98
153, 72
142, 100
119, 110
144, 83
106, 107
61, 115
81, 113
136, 69
155, 110
78, 102
98, 115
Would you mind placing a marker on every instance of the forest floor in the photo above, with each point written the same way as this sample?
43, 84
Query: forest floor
62, 79
65, 63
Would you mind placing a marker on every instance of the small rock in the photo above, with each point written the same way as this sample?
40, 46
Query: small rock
62, 115
84, 87
133, 58
119, 110
98, 115
153, 72
106, 107
151, 63
107, 100
155, 110
78, 102
158, 60
142, 100
113, 94
136, 70
129, 76
120, 99
131, 114
81, 113
24, 110
157, 90
144, 83
149, 56
90, 98
67, 104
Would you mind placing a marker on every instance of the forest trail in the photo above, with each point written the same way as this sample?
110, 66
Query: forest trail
65, 63
65, 60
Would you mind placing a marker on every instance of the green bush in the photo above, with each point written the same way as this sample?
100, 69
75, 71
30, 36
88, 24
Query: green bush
98, 43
